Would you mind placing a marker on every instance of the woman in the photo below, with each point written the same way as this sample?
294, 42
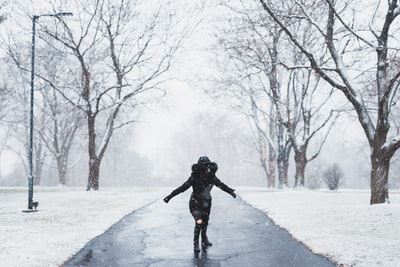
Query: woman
201, 180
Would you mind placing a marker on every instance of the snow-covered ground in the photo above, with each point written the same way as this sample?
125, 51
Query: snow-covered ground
66, 220
341, 225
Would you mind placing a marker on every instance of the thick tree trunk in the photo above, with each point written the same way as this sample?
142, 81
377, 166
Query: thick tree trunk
379, 179
94, 173
283, 167
62, 170
271, 167
94, 162
301, 163
284, 147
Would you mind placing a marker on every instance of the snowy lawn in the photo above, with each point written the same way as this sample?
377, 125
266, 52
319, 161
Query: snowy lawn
67, 219
341, 225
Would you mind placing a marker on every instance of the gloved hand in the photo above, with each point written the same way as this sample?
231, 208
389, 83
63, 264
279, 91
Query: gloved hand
233, 193
166, 199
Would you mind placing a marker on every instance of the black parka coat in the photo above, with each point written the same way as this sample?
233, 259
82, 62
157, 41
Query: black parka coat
202, 180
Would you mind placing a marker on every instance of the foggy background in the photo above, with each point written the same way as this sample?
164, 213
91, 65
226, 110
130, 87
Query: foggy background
169, 135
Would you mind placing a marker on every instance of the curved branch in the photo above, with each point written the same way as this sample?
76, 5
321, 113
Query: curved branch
346, 26
308, 54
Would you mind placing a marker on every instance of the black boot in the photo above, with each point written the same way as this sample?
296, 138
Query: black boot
196, 247
204, 239
205, 243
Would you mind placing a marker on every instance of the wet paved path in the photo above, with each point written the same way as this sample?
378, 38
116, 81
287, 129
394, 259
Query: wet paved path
161, 234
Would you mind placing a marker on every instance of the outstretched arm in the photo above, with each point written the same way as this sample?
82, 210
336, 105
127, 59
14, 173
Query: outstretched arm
224, 187
185, 186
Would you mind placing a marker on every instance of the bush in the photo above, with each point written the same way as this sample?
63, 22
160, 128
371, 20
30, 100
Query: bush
314, 182
333, 176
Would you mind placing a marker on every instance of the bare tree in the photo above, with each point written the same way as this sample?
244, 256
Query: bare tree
282, 91
5, 109
3, 91
251, 80
341, 38
56, 121
305, 121
264, 143
62, 124
113, 57
122, 50
61, 120
14, 117
299, 111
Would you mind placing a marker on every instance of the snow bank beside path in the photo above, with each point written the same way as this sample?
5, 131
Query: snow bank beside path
340, 224
67, 219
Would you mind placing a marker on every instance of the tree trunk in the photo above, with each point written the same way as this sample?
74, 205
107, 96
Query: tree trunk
379, 178
301, 163
271, 150
94, 162
283, 167
271, 167
62, 170
94, 173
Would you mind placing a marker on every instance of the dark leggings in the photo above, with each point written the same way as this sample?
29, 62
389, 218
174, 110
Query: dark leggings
200, 210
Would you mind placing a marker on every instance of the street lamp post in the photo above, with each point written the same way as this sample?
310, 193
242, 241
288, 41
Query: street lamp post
31, 204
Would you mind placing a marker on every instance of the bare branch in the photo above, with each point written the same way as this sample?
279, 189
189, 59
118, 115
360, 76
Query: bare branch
314, 63
346, 26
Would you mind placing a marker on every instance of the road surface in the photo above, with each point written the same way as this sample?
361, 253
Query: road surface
161, 234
